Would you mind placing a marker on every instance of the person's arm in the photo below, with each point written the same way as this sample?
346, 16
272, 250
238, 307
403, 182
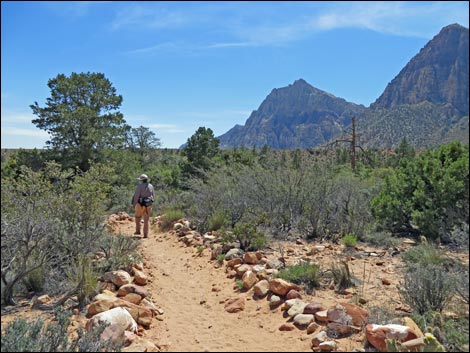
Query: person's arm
136, 196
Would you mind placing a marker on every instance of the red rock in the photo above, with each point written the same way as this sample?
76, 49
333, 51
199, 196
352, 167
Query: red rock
385, 282
313, 308
293, 294
235, 305
377, 334
286, 327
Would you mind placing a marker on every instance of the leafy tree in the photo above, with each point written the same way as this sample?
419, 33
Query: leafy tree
143, 140
428, 194
200, 149
81, 116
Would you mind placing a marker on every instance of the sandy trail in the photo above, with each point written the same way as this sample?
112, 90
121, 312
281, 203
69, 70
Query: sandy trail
191, 291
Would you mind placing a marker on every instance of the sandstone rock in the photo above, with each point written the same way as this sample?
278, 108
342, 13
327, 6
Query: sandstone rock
386, 282
293, 294
258, 268
286, 327
233, 253
141, 345
327, 346
235, 305
132, 288
281, 287
249, 279
242, 269
320, 337
234, 262
262, 288
347, 313
303, 320
275, 301
251, 258
132, 298
100, 306
119, 278
140, 278
377, 334
273, 264
110, 286
313, 308
151, 306
340, 330
141, 314
297, 308
118, 319
321, 316
312, 327
43, 299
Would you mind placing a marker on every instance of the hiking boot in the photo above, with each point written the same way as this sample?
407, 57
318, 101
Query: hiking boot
146, 236
137, 233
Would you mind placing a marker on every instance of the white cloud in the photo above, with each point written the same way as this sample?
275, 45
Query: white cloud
280, 23
17, 117
24, 132
168, 128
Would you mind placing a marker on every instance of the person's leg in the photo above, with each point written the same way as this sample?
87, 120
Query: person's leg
139, 210
147, 214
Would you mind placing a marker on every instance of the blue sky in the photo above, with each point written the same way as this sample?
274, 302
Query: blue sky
181, 65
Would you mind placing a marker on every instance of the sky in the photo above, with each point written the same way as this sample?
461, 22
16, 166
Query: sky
182, 65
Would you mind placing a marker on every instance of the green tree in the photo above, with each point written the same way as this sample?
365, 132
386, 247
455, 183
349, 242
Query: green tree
200, 149
428, 194
82, 118
143, 140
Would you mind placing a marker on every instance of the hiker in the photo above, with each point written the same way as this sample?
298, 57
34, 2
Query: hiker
142, 203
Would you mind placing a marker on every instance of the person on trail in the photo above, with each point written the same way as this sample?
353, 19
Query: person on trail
142, 203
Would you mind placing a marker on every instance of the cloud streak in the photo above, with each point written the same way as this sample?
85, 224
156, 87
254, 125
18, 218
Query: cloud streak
284, 23
24, 132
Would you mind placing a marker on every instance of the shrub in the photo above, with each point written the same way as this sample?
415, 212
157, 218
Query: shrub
427, 288
424, 254
341, 276
239, 284
248, 236
120, 253
349, 240
220, 258
83, 277
304, 274
39, 336
217, 221
169, 217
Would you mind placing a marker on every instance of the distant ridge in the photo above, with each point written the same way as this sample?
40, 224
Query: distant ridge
427, 102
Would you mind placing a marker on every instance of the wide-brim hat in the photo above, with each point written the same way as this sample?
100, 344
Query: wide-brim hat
143, 177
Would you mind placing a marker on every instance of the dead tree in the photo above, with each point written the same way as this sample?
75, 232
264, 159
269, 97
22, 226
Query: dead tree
350, 136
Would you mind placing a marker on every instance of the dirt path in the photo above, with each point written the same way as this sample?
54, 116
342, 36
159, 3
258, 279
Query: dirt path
191, 291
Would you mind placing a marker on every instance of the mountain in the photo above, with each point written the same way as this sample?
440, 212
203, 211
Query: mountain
296, 116
437, 74
427, 102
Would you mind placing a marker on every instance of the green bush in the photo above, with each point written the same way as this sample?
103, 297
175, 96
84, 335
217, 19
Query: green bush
349, 240
424, 254
248, 236
304, 274
120, 253
427, 288
217, 220
169, 217
428, 194
38, 336
220, 258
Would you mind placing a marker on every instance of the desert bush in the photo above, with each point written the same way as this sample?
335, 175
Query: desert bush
40, 336
220, 258
349, 240
303, 274
217, 220
120, 253
82, 276
341, 275
248, 236
380, 315
424, 254
169, 217
427, 288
